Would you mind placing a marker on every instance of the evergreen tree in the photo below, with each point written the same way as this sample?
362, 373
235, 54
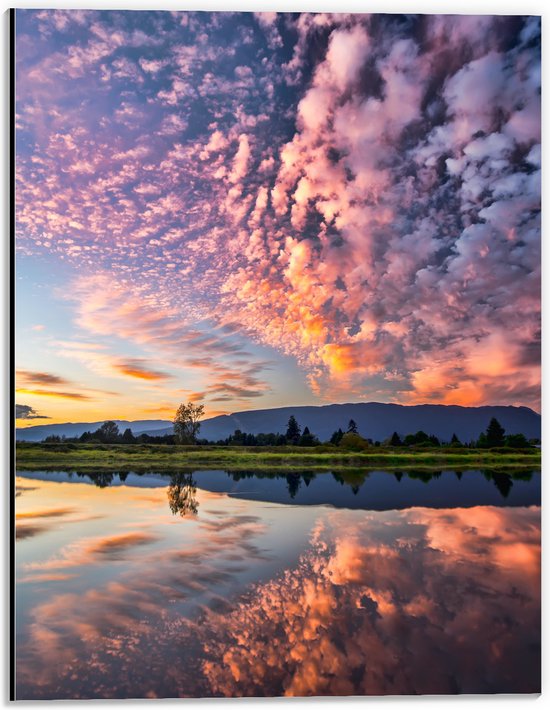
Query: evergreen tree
336, 438
495, 434
293, 431
455, 439
237, 438
516, 441
352, 427
128, 437
308, 439
395, 440
482, 441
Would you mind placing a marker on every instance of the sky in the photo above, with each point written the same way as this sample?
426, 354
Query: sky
258, 210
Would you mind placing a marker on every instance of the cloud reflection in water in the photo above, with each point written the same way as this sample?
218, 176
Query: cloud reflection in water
414, 601
420, 601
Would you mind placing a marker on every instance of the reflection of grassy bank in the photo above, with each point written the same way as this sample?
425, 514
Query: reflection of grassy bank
118, 457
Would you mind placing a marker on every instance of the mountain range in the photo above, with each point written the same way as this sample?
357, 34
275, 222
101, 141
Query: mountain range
374, 420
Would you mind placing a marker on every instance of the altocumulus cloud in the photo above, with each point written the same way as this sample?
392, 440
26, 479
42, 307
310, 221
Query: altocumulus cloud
361, 193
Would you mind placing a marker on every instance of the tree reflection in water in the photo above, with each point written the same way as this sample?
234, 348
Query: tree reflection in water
182, 494
293, 483
102, 480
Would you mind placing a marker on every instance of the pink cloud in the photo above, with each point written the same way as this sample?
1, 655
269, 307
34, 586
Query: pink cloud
377, 230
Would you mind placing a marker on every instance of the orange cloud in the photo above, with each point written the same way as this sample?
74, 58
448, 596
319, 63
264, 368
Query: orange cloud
133, 367
52, 393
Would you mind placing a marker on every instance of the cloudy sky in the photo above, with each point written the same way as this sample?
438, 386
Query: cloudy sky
255, 210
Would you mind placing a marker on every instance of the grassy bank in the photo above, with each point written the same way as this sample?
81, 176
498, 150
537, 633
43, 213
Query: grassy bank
116, 457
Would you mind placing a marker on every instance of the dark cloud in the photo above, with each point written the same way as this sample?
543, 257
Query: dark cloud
24, 411
22, 532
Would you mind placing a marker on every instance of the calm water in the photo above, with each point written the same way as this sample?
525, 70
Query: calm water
235, 585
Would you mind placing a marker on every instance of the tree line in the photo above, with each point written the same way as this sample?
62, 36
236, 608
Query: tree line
187, 426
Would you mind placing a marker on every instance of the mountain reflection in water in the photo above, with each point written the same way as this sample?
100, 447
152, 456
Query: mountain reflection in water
372, 490
118, 597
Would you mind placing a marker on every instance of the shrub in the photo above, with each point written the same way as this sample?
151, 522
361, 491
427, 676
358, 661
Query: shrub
353, 442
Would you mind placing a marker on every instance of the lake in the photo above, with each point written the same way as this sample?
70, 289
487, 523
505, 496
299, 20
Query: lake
216, 584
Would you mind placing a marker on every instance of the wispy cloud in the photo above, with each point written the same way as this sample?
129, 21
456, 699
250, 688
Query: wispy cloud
134, 367
40, 378
45, 384
53, 393
87, 551
215, 357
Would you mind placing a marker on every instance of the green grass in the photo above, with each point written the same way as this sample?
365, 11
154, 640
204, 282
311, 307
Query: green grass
154, 457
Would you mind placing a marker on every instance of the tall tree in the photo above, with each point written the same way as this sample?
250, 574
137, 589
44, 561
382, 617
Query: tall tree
293, 431
108, 432
352, 427
187, 422
495, 433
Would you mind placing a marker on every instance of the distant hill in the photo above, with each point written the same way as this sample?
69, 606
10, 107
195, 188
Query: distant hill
40, 432
374, 420
378, 421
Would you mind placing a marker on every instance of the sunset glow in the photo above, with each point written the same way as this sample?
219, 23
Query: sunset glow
259, 210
